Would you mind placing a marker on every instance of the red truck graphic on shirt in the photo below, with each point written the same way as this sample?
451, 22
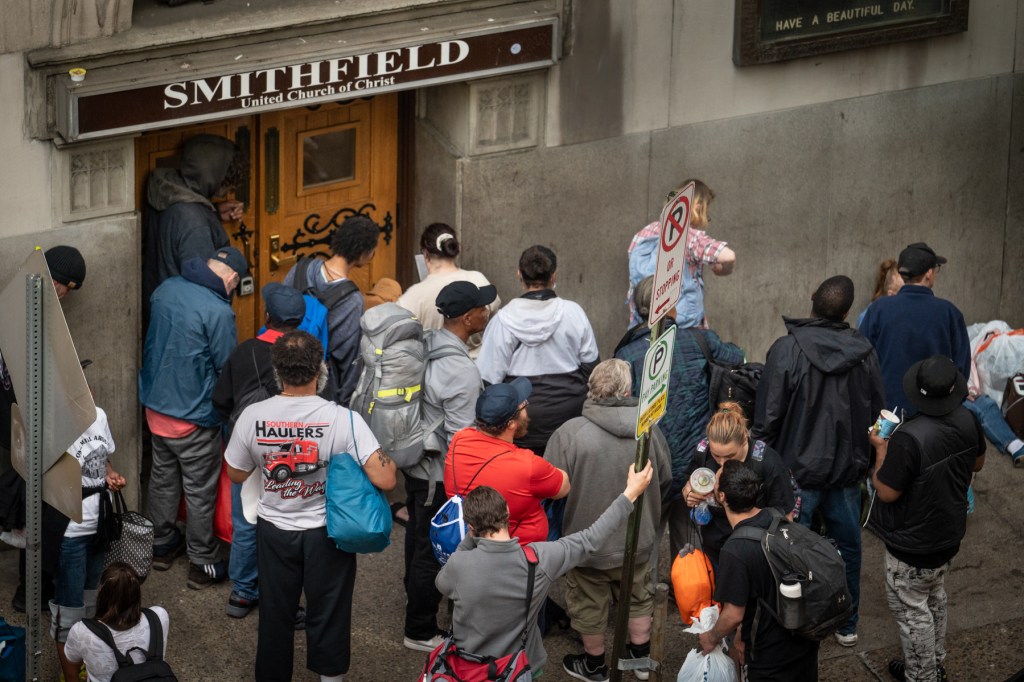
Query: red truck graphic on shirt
296, 458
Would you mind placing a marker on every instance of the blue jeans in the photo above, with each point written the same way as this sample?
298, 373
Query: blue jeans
992, 422
841, 509
79, 570
242, 567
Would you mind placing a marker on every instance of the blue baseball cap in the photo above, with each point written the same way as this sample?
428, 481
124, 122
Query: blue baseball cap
500, 402
284, 304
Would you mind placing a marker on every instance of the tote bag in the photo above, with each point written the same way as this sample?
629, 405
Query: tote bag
135, 546
358, 514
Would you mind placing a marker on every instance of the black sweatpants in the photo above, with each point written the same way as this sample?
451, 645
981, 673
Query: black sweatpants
291, 562
421, 567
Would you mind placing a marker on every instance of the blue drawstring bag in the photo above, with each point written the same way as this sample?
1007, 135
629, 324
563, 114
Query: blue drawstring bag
12, 652
358, 514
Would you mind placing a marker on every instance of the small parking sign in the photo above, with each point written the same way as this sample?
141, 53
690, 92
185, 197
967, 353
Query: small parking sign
654, 389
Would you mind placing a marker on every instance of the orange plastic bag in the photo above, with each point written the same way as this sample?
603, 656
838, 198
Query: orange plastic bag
693, 582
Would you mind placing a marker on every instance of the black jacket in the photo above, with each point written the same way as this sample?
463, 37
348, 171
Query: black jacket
180, 218
931, 514
820, 392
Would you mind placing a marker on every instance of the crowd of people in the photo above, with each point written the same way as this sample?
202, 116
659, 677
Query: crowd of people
526, 422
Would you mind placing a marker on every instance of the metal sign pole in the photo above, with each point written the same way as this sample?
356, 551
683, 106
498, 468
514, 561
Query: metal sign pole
619, 660
32, 399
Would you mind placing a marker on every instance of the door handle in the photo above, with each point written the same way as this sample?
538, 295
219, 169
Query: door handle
277, 261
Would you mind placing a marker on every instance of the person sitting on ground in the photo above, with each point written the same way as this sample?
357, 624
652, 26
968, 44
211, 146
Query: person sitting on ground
729, 439
440, 248
486, 578
119, 608
765, 649
701, 250
545, 338
593, 448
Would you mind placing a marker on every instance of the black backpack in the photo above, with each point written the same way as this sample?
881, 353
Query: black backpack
725, 383
330, 298
153, 668
799, 554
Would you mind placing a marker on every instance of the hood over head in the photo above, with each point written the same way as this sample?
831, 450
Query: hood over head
832, 347
205, 160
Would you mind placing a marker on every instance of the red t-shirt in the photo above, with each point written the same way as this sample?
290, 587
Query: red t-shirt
522, 478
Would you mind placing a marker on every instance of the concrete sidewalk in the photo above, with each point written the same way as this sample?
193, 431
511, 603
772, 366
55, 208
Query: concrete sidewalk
985, 586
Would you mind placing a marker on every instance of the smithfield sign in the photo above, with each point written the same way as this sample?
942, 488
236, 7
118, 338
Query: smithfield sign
84, 114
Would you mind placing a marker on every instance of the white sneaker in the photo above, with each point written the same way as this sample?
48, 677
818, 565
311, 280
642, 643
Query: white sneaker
427, 645
846, 640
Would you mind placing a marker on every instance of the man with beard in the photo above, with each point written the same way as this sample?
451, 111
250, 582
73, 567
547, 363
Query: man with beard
484, 454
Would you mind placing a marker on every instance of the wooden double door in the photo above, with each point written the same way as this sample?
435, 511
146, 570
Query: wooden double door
310, 168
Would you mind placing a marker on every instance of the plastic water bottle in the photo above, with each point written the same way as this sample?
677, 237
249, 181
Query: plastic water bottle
790, 604
701, 514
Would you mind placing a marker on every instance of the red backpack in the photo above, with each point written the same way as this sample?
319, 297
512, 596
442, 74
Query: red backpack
447, 663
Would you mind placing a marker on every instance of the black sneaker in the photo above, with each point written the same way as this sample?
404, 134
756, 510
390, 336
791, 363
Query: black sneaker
238, 606
300, 619
201, 576
576, 666
165, 554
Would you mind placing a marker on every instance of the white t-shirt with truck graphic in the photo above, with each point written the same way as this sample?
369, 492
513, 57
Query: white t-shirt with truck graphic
291, 439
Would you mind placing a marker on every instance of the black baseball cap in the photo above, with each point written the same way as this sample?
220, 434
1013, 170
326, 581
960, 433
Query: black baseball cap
917, 259
499, 402
458, 298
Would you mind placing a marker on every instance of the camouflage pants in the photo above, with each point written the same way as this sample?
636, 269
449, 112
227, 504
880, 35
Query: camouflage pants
917, 600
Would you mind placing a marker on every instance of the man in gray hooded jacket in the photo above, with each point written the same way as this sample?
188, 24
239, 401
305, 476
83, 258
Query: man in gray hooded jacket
181, 220
592, 449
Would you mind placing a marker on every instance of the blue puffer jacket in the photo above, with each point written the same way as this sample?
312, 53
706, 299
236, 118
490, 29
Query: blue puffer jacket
191, 334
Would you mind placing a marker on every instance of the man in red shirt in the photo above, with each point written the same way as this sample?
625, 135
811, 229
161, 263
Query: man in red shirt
483, 454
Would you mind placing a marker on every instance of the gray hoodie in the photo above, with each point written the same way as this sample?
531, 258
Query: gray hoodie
486, 581
595, 450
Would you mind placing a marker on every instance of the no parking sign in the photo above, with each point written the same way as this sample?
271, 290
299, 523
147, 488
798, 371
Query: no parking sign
668, 274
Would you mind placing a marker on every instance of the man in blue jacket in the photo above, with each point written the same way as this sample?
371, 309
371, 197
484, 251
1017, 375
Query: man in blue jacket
191, 334
915, 324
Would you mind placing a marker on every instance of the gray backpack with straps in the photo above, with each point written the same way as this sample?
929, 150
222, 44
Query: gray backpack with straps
389, 394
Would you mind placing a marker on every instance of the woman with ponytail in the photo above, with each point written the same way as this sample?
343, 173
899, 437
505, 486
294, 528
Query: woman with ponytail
728, 437
440, 248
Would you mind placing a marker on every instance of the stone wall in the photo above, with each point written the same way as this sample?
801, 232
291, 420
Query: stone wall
803, 194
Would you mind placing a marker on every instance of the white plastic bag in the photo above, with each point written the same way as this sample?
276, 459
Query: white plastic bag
1001, 358
716, 666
